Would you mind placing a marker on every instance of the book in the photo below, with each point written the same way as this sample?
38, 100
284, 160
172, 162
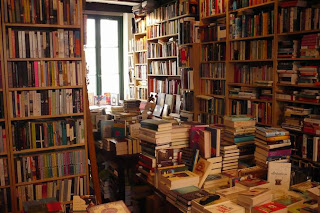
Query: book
180, 179
270, 207
255, 196
289, 200
81, 203
117, 206
279, 175
197, 203
205, 143
202, 169
229, 207
252, 184
157, 125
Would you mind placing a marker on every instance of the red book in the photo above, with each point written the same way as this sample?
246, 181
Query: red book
270, 207
54, 207
296, 3
282, 152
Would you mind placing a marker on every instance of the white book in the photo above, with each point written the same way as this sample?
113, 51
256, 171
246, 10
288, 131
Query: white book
71, 44
39, 45
35, 45
20, 43
24, 52
61, 43
69, 190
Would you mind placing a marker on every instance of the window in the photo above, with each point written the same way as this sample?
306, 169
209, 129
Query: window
104, 55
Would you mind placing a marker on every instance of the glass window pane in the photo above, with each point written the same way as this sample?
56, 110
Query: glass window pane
109, 33
110, 83
91, 60
91, 32
109, 61
92, 87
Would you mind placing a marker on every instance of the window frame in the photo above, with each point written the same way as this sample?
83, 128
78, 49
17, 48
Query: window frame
97, 19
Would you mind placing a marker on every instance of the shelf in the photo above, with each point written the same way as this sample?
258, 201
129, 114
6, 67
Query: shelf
154, 75
44, 88
208, 62
251, 99
140, 79
42, 25
187, 89
2, 120
252, 38
140, 34
186, 111
251, 61
248, 85
162, 37
208, 78
187, 44
299, 32
48, 180
142, 86
3, 154
212, 42
172, 19
216, 96
163, 58
47, 149
140, 51
130, 52
298, 59
267, 4
46, 117
207, 113
142, 64
301, 86
1, 90
299, 102
44, 59
216, 16
5, 187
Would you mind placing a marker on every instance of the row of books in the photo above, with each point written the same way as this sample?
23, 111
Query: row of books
294, 117
4, 174
1, 105
211, 105
43, 44
185, 53
141, 58
142, 93
213, 32
139, 25
3, 139
164, 86
212, 7
31, 168
297, 16
210, 119
162, 49
237, 4
261, 111
44, 74
188, 101
216, 87
43, 12
62, 190
251, 50
305, 95
250, 93
33, 135
138, 45
141, 72
168, 67
187, 78
6, 198
253, 74
257, 24
45, 102
213, 70
124, 146
188, 31
163, 29
213, 52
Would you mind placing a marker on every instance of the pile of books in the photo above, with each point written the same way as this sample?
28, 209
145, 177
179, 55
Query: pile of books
155, 136
308, 95
189, 157
311, 125
216, 180
179, 137
209, 142
272, 144
243, 92
287, 72
294, 117
131, 105
288, 49
230, 157
308, 75
309, 46
254, 197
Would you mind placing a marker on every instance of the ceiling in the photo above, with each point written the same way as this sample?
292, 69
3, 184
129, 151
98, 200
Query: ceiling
118, 2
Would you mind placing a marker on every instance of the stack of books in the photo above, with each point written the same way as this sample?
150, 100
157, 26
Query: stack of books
272, 144
288, 49
231, 193
216, 180
294, 117
155, 136
308, 95
254, 197
200, 205
308, 75
216, 165
230, 157
240, 130
287, 72
311, 125
179, 137
243, 92
131, 105
309, 46
189, 157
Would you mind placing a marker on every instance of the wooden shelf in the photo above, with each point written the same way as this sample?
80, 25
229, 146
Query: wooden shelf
248, 85
211, 114
155, 75
140, 51
251, 99
186, 111
46, 117
163, 37
251, 61
47, 149
212, 42
44, 59
299, 102
140, 34
187, 89
301, 86
187, 44
163, 58
257, 6
216, 96
2, 120
252, 38
20, 25
44, 88
1, 90
48, 179
3, 154
130, 52
142, 86
208, 62
5, 187
217, 79
171, 19
298, 59
299, 32
216, 16
143, 64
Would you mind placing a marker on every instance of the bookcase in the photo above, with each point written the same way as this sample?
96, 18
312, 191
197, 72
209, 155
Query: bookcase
44, 87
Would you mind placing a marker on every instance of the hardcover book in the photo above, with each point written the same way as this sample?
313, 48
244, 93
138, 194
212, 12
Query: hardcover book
279, 176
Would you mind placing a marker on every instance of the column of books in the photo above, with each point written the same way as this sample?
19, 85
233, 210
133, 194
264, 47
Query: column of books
45, 100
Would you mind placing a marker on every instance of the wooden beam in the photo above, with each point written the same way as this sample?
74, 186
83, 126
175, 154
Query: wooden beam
108, 7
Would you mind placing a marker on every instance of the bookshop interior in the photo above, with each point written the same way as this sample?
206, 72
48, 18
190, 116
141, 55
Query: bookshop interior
160, 106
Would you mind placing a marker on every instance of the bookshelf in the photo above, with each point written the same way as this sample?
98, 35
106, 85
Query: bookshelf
43, 65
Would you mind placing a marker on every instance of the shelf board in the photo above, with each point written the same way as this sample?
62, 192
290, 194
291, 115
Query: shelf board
142, 86
47, 149
187, 89
251, 99
44, 88
208, 78
163, 58
48, 180
298, 59
216, 16
252, 38
2, 120
296, 85
251, 61
163, 37
172, 19
267, 4
299, 102
140, 51
208, 62
5, 187
248, 85
140, 34
140, 79
211, 114
186, 111
3, 154
216, 96
42, 25
46, 117
212, 42
1, 90
187, 44
142, 64
130, 52
154, 75
299, 32
44, 59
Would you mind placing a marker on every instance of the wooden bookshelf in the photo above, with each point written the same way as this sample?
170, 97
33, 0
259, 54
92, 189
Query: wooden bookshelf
12, 154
